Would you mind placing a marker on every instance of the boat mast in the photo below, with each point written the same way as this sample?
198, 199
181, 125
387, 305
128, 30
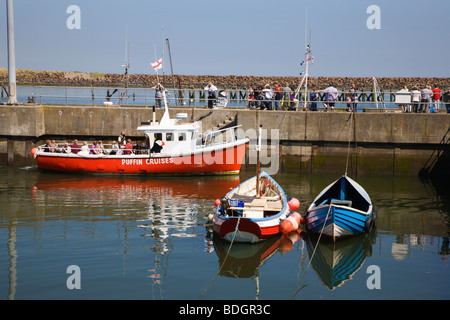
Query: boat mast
258, 166
126, 64
171, 69
308, 57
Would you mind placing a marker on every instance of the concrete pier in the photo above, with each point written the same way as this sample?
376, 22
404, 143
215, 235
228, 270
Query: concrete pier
378, 142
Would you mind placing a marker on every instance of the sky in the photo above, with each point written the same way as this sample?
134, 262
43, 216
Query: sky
233, 37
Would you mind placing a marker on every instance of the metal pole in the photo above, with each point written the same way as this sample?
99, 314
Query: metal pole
171, 69
11, 54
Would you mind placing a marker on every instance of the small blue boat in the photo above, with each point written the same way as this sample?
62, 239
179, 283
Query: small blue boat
342, 209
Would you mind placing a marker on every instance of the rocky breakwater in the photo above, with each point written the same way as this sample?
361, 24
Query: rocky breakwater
61, 78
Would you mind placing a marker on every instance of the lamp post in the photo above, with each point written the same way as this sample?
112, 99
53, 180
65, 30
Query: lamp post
11, 54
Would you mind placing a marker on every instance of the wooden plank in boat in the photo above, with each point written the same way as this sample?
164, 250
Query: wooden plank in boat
274, 205
256, 203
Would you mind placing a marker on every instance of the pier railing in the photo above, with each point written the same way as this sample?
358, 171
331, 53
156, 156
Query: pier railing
236, 97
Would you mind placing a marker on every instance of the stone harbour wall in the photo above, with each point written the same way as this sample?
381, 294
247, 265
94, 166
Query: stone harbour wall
62, 78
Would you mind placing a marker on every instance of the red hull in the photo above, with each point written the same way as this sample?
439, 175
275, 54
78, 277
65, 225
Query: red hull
225, 160
246, 226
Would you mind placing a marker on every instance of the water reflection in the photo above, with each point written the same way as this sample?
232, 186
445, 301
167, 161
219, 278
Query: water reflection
145, 233
243, 260
336, 262
167, 207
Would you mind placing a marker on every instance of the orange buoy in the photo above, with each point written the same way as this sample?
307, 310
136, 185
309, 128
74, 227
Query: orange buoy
33, 151
293, 236
290, 223
285, 245
217, 202
293, 204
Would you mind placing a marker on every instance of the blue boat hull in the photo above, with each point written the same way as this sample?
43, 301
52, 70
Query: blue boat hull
338, 221
342, 209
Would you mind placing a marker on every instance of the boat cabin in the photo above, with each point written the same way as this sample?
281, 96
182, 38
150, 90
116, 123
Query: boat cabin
170, 137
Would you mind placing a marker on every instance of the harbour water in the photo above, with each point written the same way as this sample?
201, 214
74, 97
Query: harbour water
150, 238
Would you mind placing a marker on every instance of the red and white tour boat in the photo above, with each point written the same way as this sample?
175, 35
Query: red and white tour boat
185, 150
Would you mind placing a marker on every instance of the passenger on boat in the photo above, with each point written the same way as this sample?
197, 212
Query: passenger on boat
101, 149
84, 149
114, 148
75, 147
94, 149
47, 146
122, 139
53, 146
128, 147
66, 148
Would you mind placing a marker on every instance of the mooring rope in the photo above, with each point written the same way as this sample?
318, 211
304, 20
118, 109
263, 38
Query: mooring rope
226, 256
310, 259
349, 142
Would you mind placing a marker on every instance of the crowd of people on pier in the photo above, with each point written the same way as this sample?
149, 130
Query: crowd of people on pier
275, 97
425, 100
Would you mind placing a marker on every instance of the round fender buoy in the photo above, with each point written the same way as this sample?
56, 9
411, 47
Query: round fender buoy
217, 202
33, 151
293, 204
290, 223
369, 224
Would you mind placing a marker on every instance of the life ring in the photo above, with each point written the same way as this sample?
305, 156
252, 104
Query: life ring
264, 186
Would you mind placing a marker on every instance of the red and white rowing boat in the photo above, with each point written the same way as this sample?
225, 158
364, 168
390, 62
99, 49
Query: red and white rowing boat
184, 151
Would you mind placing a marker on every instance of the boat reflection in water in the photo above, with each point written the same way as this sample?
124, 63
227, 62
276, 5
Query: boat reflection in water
243, 259
335, 262
168, 206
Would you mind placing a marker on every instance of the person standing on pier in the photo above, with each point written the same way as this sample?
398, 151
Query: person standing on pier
158, 94
415, 99
331, 96
268, 97
425, 99
277, 97
354, 97
286, 97
436, 97
211, 90
446, 99
314, 98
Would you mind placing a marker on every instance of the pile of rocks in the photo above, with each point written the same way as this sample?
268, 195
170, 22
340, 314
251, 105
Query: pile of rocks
31, 77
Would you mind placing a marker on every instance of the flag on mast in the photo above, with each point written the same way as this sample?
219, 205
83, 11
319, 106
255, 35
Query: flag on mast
157, 65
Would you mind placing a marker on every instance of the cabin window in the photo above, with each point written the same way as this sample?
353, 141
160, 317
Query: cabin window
182, 136
169, 136
158, 136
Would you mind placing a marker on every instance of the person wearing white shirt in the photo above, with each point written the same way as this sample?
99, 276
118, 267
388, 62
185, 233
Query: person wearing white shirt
331, 97
415, 99
425, 99
211, 90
